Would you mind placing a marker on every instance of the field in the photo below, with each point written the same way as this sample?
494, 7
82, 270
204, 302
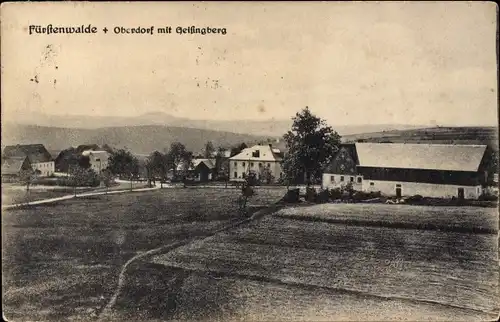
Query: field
323, 262
13, 194
62, 260
317, 270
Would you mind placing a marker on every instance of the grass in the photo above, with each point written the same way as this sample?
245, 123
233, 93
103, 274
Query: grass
459, 219
449, 274
62, 260
13, 196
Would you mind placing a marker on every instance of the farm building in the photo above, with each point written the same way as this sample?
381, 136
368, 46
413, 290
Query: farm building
13, 167
38, 156
201, 170
399, 169
98, 159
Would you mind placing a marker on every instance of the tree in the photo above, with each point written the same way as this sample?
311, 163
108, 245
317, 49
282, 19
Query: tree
81, 177
222, 164
209, 150
311, 144
266, 175
186, 166
124, 164
237, 149
26, 177
176, 155
158, 166
106, 178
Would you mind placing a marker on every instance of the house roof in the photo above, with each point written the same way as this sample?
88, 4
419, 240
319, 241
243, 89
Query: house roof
13, 165
444, 157
96, 153
210, 163
35, 152
266, 153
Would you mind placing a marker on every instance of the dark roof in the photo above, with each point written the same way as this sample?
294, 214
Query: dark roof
35, 152
13, 165
444, 157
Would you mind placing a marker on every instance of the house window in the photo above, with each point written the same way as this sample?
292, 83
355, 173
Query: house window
341, 178
236, 174
260, 164
352, 179
236, 164
332, 178
398, 186
360, 179
269, 164
243, 164
372, 184
251, 164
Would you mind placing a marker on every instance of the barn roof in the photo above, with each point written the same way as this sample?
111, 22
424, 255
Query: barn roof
443, 157
35, 152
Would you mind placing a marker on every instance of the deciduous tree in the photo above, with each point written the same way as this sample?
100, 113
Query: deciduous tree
311, 144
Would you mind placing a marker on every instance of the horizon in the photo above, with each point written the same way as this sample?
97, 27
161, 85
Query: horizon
418, 63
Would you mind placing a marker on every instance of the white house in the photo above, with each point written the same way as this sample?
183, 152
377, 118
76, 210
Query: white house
430, 170
40, 159
99, 160
256, 159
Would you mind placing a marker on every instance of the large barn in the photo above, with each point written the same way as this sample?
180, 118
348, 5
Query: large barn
399, 169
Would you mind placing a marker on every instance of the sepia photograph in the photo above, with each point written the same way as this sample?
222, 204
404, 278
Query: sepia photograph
250, 161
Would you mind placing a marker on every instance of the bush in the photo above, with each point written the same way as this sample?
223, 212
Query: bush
311, 194
415, 199
323, 196
488, 197
292, 196
335, 194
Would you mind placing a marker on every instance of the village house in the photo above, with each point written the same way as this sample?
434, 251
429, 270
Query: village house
40, 159
99, 160
256, 159
13, 167
201, 169
399, 169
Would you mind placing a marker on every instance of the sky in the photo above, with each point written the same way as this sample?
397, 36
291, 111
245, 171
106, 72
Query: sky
351, 63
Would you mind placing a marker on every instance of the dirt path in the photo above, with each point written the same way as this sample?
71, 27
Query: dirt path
71, 196
121, 278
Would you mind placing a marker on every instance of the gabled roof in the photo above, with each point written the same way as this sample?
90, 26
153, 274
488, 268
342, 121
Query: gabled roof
35, 152
210, 163
96, 153
266, 153
421, 156
13, 165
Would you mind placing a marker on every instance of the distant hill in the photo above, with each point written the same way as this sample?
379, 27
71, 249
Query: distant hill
437, 135
272, 127
138, 139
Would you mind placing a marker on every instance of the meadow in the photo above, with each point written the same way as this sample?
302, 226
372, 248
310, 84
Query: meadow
321, 262
62, 260
410, 272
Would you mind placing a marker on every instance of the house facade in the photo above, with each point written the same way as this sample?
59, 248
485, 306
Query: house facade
40, 159
430, 170
99, 160
258, 159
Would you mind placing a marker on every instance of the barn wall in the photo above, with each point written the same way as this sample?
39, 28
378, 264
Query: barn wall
332, 180
423, 189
